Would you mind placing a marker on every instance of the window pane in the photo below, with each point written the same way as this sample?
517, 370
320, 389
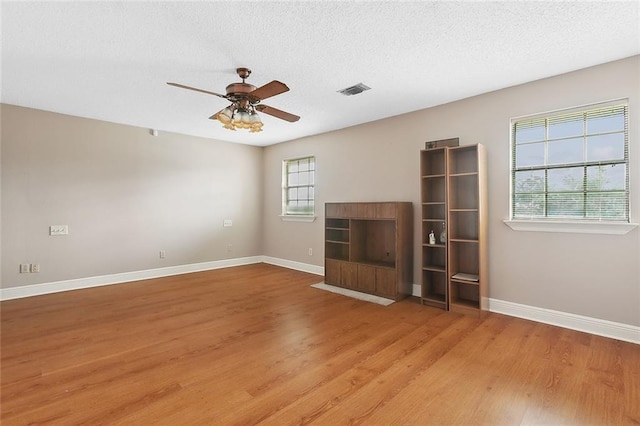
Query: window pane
601, 123
293, 194
528, 205
607, 205
529, 131
303, 178
565, 151
565, 205
529, 181
303, 193
606, 178
293, 179
530, 155
293, 166
605, 147
563, 127
304, 165
312, 163
311, 193
570, 179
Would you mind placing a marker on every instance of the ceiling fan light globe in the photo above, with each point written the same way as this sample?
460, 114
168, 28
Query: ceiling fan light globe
225, 115
242, 120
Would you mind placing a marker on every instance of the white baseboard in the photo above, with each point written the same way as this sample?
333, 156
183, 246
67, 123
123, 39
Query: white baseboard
298, 266
76, 284
600, 327
615, 330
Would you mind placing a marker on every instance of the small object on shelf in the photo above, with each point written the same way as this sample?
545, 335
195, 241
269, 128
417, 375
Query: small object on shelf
442, 143
466, 277
432, 237
443, 234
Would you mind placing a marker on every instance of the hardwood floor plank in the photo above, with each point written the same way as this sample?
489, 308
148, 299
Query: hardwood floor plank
256, 344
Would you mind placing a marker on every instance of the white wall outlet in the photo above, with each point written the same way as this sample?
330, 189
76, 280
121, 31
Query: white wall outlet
59, 230
24, 268
162, 254
34, 267
227, 223
310, 251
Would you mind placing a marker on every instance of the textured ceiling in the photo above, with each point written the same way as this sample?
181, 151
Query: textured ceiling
111, 60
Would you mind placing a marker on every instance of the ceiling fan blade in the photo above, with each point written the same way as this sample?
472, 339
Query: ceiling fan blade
277, 113
182, 86
269, 90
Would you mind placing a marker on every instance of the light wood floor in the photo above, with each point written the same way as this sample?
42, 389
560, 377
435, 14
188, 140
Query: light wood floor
256, 344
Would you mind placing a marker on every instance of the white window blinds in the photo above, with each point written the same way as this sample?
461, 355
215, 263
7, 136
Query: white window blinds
572, 165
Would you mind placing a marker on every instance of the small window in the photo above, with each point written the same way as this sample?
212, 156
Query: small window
571, 165
298, 180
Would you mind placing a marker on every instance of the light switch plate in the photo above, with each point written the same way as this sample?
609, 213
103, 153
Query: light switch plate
59, 230
227, 223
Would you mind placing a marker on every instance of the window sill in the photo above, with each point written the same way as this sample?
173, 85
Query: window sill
609, 228
294, 218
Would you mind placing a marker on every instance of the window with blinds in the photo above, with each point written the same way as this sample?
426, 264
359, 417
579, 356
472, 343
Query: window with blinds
298, 180
571, 165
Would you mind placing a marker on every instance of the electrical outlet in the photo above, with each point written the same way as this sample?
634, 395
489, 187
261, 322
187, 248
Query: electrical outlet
227, 223
162, 254
34, 267
24, 268
310, 251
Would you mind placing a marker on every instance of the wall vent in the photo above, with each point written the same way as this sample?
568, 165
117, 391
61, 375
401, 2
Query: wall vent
354, 90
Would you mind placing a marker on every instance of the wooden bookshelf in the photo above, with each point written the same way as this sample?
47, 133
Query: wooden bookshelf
454, 199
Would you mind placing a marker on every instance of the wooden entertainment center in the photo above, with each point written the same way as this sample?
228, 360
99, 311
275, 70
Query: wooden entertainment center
369, 247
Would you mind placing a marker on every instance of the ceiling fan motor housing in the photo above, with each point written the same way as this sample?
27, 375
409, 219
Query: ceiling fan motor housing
240, 90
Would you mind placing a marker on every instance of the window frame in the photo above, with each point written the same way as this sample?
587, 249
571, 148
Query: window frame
286, 213
584, 224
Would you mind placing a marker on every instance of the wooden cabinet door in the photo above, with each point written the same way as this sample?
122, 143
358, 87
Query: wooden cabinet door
366, 278
332, 272
386, 282
348, 275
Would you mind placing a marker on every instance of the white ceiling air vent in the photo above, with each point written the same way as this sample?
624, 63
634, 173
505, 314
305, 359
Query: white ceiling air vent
354, 90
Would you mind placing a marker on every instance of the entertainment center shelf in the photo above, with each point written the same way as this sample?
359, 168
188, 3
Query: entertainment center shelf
369, 247
453, 202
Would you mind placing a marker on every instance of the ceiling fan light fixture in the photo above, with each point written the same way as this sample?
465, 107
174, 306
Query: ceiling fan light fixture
256, 123
225, 116
241, 119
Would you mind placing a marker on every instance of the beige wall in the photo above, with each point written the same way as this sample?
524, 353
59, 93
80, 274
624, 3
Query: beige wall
592, 275
125, 195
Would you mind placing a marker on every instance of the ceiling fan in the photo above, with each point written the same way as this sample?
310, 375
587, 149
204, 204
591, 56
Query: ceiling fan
245, 102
